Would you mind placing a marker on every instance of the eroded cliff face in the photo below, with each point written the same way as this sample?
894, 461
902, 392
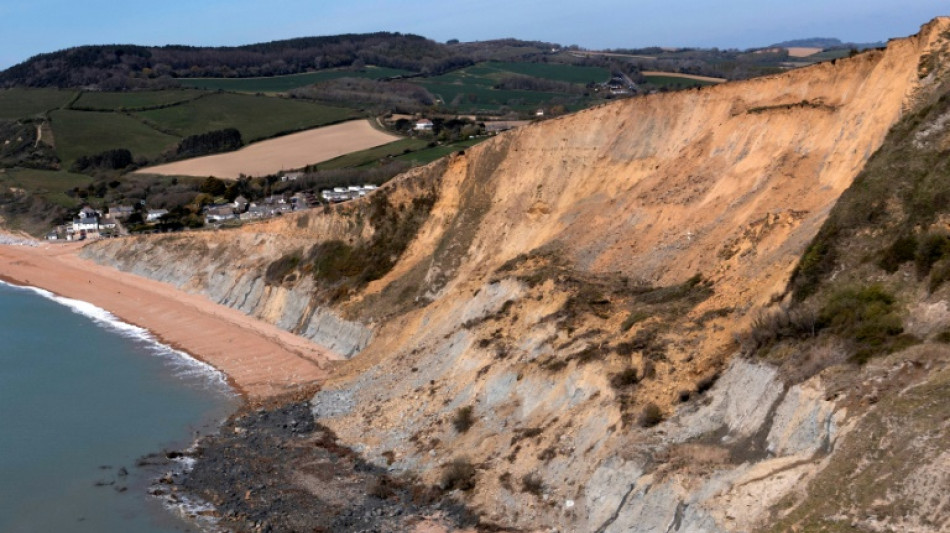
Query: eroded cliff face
569, 285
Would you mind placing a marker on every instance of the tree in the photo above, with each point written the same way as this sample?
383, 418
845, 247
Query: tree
213, 186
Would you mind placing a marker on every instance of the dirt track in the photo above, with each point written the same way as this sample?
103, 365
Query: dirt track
283, 153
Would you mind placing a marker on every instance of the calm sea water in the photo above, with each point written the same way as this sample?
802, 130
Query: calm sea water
81, 396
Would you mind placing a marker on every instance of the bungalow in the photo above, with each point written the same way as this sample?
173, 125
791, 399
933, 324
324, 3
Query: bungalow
219, 213
291, 176
424, 125
255, 212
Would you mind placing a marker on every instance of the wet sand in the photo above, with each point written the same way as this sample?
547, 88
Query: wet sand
260, 359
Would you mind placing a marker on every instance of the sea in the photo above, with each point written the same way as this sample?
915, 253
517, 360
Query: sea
84, 396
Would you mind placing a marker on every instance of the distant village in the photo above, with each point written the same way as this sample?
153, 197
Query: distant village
124, 219
91, 223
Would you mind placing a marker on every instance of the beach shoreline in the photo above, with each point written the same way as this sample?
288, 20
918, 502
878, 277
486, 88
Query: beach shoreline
259, 360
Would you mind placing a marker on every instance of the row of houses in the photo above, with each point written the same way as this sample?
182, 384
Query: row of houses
342, 194
274, 205
91, 223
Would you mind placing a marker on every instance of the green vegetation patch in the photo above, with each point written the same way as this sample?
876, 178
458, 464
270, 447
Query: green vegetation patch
428, 155
134, 100
50, 184
82, 134
478, 87
345, 268
675, 82
28, 103
286, 83
256, 117
868, 317
475, 97
556, 71
374, 155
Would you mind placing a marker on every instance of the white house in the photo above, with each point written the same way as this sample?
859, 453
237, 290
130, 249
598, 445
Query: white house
424, 125
88, 221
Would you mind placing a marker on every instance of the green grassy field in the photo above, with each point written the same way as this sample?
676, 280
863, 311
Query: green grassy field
51, 184
81, 133
472, 88
286, 83
429, 155
133, 100
556, 72
256, 117
825, 56
473, 97
26, 103
372, 155
676, 83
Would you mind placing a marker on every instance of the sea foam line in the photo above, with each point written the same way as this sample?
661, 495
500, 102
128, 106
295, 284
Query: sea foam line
186, 364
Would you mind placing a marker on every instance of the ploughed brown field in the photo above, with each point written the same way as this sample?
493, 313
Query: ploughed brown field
283, 153
802, 51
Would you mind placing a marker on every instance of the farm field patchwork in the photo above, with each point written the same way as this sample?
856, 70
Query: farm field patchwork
134, 100
284, 153
27, 103
473, 88
286, 83
555, 72
256, 117
80, 133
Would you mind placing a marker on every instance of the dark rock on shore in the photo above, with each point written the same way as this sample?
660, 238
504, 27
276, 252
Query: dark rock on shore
277, 470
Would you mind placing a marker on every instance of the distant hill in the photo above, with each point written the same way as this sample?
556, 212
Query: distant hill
119, 66
825, 43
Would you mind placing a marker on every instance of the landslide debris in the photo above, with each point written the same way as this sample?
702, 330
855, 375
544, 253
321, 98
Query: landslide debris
275, 469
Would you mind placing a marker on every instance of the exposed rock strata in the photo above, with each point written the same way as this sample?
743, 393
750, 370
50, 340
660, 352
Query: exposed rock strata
553, 290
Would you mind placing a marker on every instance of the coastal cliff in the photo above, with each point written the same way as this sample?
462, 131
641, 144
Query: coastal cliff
579, 309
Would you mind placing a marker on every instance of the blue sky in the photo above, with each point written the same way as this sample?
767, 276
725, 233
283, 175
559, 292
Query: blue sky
32, 27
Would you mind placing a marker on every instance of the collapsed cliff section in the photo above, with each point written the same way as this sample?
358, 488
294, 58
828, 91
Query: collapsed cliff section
558, 308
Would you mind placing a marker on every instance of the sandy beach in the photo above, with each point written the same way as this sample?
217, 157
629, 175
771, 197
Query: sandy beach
260, 359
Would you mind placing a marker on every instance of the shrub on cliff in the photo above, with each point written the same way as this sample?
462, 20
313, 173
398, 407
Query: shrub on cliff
464, 419
458, 475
